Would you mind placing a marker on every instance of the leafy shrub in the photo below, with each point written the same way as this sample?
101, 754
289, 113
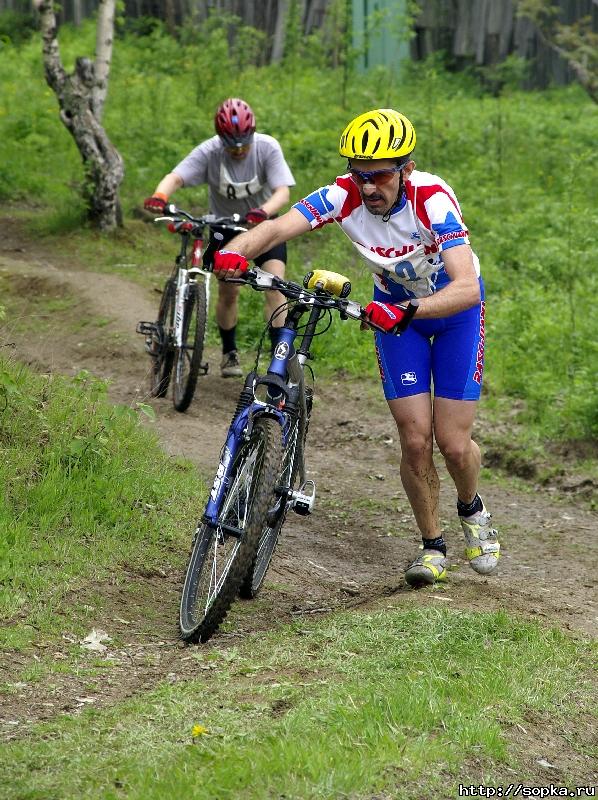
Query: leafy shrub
16, 27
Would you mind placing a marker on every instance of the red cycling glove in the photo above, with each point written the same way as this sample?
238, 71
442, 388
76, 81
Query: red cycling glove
256, 215
156, 203
227, 261
390, 317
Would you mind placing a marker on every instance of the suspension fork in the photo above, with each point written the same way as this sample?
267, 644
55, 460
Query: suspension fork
239, 430
181, 292
288, 364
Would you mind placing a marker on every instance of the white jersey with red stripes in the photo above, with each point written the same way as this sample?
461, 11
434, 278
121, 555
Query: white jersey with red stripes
403, 251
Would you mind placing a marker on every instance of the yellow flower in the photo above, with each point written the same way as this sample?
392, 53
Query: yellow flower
198, 730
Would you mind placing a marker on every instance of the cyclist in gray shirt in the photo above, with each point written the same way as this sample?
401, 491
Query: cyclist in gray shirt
246, 174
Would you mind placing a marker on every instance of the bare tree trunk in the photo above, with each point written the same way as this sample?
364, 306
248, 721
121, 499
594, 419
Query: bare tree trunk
279, 31
169, 14
102, 162
77, 13
104, 31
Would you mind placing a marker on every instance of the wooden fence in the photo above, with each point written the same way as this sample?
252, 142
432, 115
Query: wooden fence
485, 32
481, 32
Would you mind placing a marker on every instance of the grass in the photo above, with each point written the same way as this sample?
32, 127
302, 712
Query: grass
393, 703
85, 489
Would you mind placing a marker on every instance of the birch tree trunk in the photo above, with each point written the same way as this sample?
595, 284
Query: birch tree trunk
279, 31
104, 34
102, 163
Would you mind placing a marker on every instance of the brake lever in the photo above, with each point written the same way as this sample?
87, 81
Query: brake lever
263, 279
257, 278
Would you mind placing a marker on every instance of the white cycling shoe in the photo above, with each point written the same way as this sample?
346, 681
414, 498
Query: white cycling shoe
482, 548
428, 567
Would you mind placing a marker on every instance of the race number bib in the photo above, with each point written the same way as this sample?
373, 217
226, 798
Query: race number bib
237, 190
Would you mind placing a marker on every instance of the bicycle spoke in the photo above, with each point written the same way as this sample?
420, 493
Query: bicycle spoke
275, 517
220, 557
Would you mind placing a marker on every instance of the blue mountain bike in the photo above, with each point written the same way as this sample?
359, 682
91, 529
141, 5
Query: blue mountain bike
261, 475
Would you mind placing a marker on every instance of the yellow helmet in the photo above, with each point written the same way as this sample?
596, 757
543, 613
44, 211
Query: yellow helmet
377, 134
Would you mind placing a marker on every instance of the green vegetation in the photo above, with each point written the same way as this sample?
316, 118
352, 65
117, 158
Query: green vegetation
403, 704
86, 490
524, 167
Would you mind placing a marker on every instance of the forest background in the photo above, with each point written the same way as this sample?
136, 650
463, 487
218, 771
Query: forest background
522, 162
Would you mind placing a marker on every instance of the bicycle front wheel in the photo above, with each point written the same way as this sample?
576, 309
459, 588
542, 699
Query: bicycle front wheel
222, 555
161, 350
287, 479
187, 360
275, 518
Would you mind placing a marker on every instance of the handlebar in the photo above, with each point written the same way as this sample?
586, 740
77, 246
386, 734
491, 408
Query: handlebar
320, 289
180, 221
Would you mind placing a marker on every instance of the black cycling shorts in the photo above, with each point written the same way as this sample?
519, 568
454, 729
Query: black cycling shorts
279, 252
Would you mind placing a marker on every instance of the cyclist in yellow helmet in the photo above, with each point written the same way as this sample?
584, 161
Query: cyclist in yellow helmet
408, 227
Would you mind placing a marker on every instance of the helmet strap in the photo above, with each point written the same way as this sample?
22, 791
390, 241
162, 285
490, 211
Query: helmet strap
400, 193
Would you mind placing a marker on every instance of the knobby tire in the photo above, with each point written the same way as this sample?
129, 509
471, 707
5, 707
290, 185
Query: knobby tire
187, 359
163, 357
270, 533
219, 560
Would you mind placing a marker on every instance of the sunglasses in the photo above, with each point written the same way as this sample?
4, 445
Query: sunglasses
378, 177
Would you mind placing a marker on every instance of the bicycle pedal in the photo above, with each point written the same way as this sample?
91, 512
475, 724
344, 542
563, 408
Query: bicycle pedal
146, 328
203, 368
302, 500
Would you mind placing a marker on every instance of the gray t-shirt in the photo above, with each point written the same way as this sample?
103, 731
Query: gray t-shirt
236, 186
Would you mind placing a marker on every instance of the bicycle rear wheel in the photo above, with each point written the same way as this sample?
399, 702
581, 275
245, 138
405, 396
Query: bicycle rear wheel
221, 555
161, 352
187, 361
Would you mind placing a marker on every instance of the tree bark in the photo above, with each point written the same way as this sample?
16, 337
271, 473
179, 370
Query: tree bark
279, 31
102, 163
104, 32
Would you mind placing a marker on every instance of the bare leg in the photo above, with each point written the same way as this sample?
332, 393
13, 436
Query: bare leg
273, 298
226, 305
453, 423
413, 416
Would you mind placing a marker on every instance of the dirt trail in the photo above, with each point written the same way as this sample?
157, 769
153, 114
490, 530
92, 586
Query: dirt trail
351, 552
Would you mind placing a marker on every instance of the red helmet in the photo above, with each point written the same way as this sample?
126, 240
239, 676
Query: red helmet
234, 122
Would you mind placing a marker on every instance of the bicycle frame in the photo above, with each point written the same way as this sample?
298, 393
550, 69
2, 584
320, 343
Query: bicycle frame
184, 277
286, 368
176, 340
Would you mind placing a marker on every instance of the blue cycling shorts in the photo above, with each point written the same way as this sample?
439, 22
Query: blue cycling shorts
446, 352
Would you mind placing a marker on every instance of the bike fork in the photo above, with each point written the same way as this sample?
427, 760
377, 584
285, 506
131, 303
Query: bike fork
182, 292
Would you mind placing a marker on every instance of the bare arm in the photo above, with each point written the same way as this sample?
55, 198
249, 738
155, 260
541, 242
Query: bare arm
279, 198
268, 234
462, 292
169, 184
